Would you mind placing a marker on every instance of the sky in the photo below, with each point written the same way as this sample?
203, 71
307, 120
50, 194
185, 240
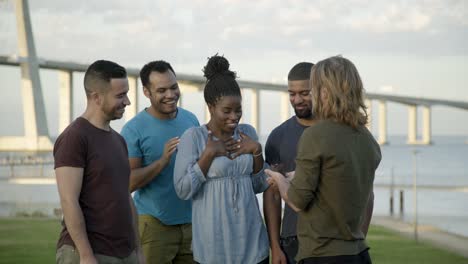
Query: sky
414, 48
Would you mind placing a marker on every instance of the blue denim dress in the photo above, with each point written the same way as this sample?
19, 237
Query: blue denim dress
226, 222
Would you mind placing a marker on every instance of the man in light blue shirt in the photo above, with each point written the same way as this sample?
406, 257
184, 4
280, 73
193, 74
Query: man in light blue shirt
152, 137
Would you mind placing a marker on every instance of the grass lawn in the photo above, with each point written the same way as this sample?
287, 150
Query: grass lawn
27, 240
388, 247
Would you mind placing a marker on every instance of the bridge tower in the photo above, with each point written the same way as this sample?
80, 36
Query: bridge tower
36, 132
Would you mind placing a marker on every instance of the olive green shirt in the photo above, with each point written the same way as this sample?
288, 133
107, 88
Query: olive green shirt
335, 168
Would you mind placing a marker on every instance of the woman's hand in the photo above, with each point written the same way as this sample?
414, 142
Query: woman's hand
274, 177
283, 182
244, 145
216, 148
290, 175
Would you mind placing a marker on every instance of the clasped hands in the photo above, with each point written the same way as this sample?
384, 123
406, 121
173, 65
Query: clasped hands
232, 148
276, 176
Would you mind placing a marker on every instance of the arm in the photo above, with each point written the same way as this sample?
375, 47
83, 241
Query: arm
248, 144
257, 151
368, 213
205, 160
257, 159
272, 213
138, 250
303, 186
141, 176
300, 192
191, 167
272, 205
69, 182
249, 141
259, 178
283, 187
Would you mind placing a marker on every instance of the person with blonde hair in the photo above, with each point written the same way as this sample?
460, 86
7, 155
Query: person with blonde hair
331, 188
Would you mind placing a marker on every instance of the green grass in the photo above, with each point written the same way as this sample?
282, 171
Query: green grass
388, 247
29, 240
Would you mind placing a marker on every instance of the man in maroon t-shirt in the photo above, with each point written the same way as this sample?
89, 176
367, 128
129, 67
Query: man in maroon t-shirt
92, 171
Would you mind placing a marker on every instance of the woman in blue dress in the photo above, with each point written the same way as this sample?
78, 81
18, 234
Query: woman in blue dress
220, 167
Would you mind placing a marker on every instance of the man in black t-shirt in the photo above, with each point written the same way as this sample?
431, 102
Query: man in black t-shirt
280, 152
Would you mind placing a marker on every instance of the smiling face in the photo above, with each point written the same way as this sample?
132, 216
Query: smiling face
300, 98
226, 113
115, 99
164, 93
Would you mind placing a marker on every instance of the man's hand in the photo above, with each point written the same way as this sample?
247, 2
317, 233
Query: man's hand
278, 257
90, 259
169, 148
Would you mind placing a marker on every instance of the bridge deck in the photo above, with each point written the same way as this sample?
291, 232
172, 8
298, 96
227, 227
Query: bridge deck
195, 79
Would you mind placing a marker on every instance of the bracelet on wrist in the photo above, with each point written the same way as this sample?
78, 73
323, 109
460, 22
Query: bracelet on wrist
257, 154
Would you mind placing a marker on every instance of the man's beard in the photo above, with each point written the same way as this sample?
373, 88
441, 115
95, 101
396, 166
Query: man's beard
306, 113
111, 113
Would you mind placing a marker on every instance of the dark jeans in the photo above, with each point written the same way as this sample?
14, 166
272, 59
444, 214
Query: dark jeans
290, 245
361, 258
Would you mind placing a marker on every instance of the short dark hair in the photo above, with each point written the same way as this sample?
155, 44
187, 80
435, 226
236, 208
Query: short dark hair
100, 73
158, 66
300, 71
220, 81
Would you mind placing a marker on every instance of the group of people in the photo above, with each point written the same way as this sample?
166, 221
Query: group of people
194, 186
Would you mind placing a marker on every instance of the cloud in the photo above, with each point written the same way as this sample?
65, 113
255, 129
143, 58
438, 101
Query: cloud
241, 30
392, 20
177, 30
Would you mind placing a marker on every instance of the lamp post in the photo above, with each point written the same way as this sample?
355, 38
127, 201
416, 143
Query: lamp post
415, 193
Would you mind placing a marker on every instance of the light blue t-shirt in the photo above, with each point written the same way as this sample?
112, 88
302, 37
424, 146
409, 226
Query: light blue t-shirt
146, 136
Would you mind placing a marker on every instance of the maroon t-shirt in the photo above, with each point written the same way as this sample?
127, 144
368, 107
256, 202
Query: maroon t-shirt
104, 197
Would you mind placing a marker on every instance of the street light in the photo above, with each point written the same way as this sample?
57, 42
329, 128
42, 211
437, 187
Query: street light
415, 193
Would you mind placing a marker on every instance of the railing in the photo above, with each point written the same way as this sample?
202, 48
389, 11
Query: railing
35, 165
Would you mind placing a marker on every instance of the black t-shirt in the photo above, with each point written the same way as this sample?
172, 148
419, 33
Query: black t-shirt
281, 148
104, 197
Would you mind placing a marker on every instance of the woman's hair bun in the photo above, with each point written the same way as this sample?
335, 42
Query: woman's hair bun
217, 65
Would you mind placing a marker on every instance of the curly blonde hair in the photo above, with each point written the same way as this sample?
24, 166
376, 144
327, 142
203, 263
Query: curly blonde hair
343, 102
